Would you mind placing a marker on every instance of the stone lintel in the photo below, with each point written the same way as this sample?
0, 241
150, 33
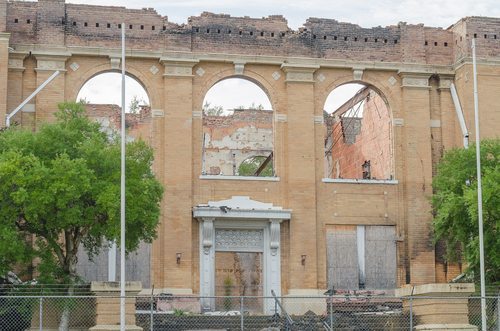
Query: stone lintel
51, 62
415, 79
299, 73
178, 67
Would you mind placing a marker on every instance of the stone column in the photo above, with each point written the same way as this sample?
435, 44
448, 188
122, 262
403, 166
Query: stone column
4, 59
15, 87
108, 305
177, 131
417, 175
438, 307
300, 176
207, 262
48, 98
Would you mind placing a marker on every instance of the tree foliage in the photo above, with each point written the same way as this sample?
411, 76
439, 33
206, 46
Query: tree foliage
61, 189
210, 110
249, 166
456, 210
134, 106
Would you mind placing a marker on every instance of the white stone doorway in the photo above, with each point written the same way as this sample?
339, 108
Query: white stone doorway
232, 231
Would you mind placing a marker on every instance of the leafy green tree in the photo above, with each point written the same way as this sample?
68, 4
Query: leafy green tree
135, 104
455, 207
249, 166
253, 106
60, 190
210, 110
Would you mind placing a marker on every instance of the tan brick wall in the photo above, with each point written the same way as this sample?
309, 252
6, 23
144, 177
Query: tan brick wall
3, 15
297, 99
4, 63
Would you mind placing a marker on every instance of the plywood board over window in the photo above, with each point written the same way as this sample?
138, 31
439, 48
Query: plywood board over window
361, 257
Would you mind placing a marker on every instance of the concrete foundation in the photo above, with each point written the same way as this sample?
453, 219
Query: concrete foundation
438, 306
108, 305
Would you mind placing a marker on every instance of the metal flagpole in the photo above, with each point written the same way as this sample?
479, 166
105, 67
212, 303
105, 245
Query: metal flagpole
479, 190
122, 193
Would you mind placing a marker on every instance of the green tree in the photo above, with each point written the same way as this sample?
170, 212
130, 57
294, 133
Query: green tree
135, 104
249, 166
455, 207
61, 188
253, 106
210, 110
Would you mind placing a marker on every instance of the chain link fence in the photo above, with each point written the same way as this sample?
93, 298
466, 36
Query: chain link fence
168, 312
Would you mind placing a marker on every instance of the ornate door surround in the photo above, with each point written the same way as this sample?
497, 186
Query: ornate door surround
243, 216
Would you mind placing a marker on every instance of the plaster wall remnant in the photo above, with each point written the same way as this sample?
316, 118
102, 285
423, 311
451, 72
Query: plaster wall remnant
410, 65
230, 140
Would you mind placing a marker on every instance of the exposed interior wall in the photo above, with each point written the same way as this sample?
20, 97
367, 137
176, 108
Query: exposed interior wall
230, 140
298, 68
357, 140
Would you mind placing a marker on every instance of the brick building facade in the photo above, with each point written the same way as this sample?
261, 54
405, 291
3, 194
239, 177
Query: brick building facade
307, 230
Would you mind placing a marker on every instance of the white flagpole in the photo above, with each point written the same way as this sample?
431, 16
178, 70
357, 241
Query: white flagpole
122, 193
479, 190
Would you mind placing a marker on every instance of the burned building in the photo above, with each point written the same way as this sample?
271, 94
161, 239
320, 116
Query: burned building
346, 200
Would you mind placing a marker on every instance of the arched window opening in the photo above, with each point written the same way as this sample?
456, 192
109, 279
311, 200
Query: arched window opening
102, 97
358, 138
237, 130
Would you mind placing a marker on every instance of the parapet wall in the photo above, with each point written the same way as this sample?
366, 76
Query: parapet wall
56, 23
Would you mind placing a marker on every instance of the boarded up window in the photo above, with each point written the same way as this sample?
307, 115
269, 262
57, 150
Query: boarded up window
380, 257
354, 251
342, 257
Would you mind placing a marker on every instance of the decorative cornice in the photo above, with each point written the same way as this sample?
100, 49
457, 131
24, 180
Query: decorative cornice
178, 67
297, 73
16, 61
249, 59
414, 79
4, 36
49, 62
445, 81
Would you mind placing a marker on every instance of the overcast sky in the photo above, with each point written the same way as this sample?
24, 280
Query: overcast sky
439, 13
436, 13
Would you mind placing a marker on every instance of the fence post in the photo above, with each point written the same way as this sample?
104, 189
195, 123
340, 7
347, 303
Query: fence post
331, 311
498, 311
151, 318
40, 312
241, 313
411, 313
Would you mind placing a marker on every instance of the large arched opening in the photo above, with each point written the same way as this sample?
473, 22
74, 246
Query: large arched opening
101, 96
238, 136
358, 135
359, 149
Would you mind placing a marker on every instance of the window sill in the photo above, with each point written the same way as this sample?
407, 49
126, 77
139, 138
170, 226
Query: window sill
222, 177
360, 181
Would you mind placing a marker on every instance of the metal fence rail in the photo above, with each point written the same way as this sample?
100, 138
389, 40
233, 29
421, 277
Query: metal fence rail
168, 312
